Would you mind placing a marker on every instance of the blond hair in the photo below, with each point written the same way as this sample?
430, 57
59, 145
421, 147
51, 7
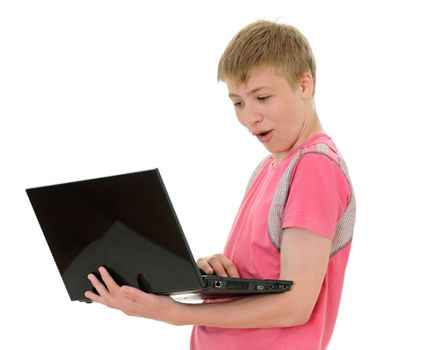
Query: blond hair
265, 43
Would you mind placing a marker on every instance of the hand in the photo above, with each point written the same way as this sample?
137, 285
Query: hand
218, 264
131, 301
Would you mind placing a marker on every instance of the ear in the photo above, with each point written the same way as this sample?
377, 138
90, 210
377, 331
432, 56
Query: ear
306, 85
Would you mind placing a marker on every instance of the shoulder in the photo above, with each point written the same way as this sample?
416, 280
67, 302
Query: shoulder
318, 154
313, 164
321, 172
323, 145
318, 195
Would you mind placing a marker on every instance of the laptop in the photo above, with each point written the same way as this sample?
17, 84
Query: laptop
127, 224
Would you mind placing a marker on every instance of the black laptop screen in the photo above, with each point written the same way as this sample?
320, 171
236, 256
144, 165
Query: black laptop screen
123, 222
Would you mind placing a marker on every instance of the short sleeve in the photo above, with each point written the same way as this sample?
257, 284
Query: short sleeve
318, 195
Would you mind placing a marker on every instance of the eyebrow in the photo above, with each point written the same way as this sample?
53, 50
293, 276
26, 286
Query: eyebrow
231, 95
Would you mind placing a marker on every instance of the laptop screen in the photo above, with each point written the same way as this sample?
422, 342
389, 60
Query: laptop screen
100, 221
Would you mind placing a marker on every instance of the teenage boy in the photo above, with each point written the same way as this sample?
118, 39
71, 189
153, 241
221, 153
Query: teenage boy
269, 70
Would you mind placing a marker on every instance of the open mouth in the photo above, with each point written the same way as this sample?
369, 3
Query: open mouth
264, 133
264, 136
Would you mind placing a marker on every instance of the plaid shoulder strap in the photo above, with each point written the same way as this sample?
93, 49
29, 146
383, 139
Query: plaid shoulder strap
345, 226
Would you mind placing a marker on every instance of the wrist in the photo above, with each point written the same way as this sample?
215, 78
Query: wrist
177, 313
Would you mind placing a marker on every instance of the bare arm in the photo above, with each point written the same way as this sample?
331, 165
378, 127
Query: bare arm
304, 259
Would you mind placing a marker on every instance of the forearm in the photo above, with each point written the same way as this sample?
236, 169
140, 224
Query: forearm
265, 311
306, 265
304, 260
277, 310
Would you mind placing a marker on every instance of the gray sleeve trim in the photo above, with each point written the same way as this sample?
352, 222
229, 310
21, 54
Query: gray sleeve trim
256, 172
345, 226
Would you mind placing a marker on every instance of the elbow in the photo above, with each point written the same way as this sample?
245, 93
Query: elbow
301, 306
299, 314
304, 317
298, 317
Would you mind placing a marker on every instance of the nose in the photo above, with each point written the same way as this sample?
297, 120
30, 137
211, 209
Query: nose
249, 116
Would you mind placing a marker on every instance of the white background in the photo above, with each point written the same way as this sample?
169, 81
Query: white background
95, 88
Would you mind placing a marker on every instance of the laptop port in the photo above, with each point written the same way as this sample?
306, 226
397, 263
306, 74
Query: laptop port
218, 284
237, 285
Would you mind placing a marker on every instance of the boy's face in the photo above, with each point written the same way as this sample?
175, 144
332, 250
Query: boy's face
275, 112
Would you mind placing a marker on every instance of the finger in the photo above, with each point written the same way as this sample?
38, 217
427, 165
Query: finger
217, 266
108, 280
93, 296
230, 267
205, 266
101, 289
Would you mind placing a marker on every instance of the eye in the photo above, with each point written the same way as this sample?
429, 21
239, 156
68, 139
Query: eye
263, 98
237, 104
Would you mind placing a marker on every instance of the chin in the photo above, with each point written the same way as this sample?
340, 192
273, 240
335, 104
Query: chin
276, 149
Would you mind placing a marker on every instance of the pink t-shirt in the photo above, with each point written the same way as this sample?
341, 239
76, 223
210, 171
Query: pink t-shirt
318, 196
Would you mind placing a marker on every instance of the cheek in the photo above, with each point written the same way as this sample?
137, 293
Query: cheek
284, 118
240, 118
290, 116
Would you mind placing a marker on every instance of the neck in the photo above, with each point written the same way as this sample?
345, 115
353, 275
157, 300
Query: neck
309, 130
